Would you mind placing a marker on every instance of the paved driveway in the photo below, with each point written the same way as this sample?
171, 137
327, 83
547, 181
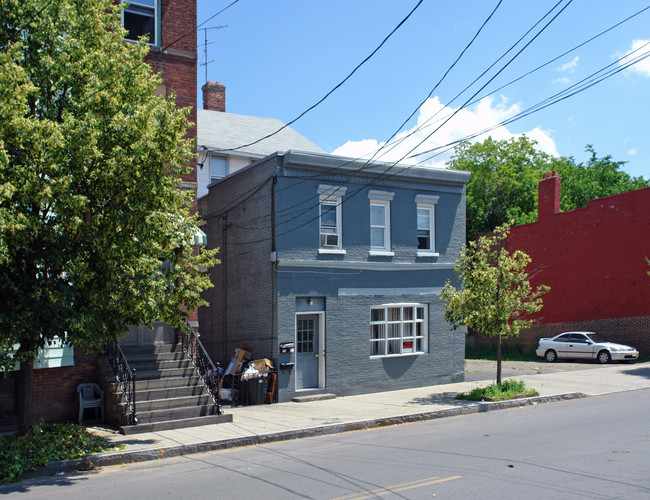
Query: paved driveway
480, 369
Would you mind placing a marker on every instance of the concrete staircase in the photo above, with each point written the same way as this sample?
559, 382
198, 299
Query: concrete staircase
169, 392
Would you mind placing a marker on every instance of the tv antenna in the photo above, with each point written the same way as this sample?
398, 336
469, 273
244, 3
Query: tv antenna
205, 47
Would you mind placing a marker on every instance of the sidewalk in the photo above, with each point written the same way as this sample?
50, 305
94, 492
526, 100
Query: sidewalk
283, 421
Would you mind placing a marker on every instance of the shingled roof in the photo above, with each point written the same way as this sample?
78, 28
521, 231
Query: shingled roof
224, 131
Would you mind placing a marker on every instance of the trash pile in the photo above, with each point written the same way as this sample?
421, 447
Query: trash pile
247, 382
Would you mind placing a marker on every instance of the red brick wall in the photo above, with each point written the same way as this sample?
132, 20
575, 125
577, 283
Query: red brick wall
177, 61
593, 259
55, 388
629, 331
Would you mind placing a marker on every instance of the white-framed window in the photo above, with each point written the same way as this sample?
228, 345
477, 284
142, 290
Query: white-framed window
426, 225
218, 167
141, 17
398, 329
380, 222
330, 218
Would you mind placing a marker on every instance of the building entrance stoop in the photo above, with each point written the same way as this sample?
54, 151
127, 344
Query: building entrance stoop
170, 394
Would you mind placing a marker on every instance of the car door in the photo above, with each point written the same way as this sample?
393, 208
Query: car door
560, 344
578, 347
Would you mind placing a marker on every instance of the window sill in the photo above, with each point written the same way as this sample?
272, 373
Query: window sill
427, 253
404, 355
381, 253
331, 251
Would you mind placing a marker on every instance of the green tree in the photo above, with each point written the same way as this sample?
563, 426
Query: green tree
503, 184
497, 295
505, 175
597, 178
90, 168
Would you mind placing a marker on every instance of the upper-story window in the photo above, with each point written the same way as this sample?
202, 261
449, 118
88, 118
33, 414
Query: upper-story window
380, 222
218, 167
426, 225
140, 18
330, 219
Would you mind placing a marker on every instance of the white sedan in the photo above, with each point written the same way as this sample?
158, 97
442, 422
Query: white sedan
583, 345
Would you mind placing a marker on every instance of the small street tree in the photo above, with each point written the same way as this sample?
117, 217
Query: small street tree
496, 295
94, 230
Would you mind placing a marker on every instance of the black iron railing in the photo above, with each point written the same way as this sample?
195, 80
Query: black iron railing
193, 346
125, 376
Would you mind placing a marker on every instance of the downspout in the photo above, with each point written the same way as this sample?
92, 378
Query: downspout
224, 284
274, 268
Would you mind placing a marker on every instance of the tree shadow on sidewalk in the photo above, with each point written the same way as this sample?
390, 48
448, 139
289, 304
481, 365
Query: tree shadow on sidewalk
640, 371
442, 398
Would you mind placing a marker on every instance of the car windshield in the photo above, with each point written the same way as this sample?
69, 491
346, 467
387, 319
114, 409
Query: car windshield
597, 339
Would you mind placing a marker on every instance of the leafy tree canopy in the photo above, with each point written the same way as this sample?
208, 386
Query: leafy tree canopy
505, 175
497, 296
90, 168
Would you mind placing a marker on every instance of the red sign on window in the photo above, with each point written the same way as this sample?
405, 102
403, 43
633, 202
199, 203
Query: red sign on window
407, 345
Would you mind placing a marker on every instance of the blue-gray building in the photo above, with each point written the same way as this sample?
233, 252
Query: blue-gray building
332, 268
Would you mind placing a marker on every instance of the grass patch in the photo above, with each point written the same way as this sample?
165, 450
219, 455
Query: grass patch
45, 443
490, 353
510, 389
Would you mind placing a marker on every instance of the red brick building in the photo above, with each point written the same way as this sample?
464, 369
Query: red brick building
594, 260
171, 27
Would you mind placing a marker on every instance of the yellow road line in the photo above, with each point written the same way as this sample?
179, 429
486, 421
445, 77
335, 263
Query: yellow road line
397, 488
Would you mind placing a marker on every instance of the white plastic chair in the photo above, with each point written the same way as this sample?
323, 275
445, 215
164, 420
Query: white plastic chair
90, 396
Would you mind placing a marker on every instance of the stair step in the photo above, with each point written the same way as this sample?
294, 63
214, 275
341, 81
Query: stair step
169, 392
172, 403
164, 373
150, 365
174, 424
164, 414
155, 358
167, 383
150, 349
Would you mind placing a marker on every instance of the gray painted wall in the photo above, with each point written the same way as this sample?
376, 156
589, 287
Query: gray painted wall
237, 213
254, 301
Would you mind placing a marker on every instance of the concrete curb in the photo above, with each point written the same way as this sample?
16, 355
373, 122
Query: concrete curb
129, 457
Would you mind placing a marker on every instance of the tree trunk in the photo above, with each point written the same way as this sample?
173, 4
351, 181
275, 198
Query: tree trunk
25, 396
499, 361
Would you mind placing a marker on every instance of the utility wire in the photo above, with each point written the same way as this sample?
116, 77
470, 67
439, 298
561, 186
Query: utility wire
336, 87
543, 104
162, 49
428, 123
370, 160
581, 86
393, 164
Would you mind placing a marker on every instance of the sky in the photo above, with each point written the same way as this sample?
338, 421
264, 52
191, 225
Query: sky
279, 58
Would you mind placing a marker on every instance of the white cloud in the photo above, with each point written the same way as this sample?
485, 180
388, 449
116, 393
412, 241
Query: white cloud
484, 115
563, 80
570, 66
632, 151
642, 67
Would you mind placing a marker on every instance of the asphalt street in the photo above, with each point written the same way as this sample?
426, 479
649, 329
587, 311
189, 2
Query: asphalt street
596, 447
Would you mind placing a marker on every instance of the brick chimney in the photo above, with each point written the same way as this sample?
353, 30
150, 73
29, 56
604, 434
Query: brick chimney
214, 96
549, 195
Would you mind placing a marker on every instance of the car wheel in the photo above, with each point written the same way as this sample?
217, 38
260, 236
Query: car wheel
604, 357
551, 356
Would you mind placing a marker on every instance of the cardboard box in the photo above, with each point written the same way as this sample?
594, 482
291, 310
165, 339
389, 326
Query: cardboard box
263, 365
237, 359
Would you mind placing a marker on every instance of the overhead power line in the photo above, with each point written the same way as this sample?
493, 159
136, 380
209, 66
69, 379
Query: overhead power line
336, 87
162, 49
